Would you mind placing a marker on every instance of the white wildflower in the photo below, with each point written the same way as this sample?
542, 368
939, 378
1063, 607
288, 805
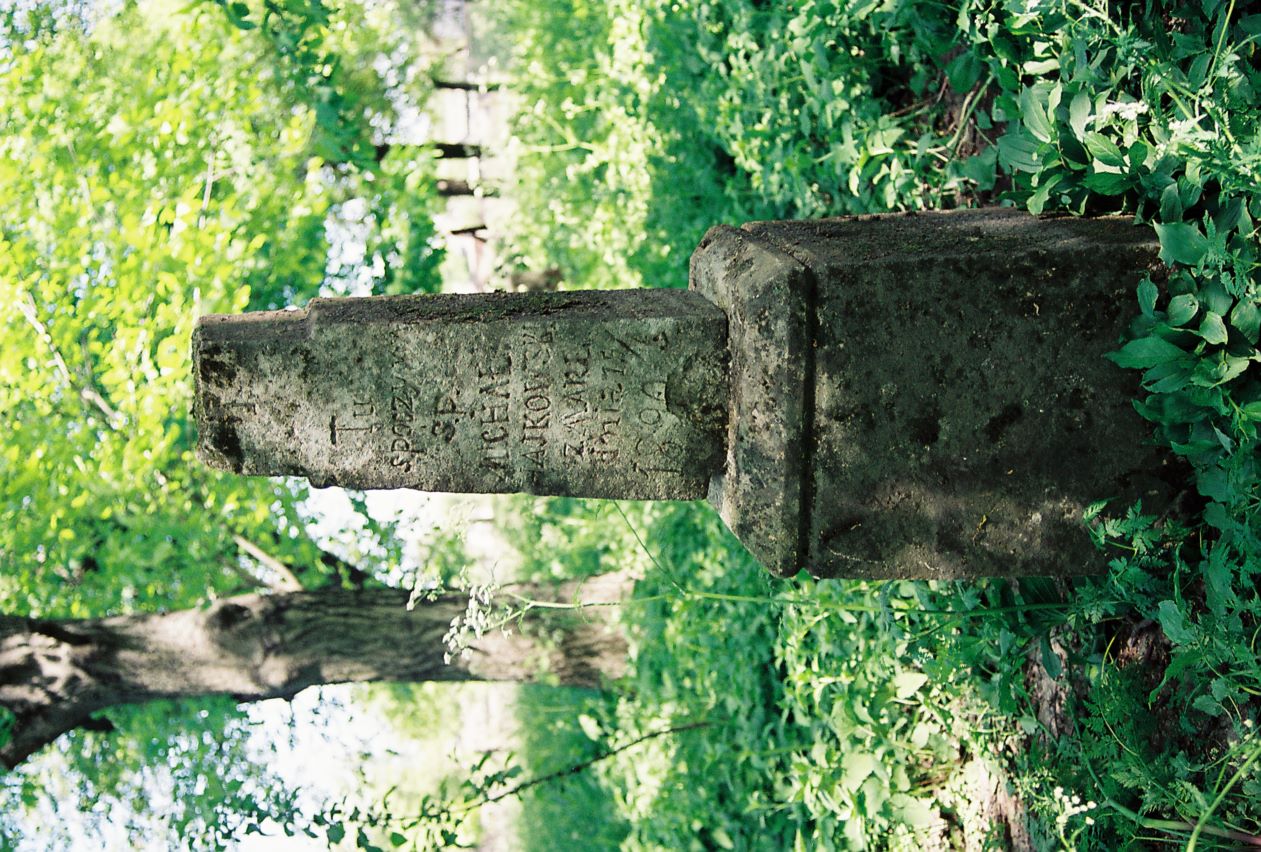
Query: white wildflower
1128, 111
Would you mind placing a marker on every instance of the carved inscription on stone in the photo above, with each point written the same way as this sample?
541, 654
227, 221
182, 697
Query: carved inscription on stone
522, 408
403, 449
536, 402
587, 395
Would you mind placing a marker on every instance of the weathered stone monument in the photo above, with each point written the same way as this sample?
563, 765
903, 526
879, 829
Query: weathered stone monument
892, 396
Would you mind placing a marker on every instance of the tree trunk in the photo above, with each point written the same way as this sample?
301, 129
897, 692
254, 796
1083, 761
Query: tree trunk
55, 673
452, 188
444, 150
464, 85
456, 150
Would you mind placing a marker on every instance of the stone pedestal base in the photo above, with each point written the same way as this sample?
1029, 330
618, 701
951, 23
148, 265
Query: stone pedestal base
925, 395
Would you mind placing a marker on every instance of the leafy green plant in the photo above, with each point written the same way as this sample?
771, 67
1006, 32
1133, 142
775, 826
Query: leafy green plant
576, 811
157, 164
823, 714
1147, 676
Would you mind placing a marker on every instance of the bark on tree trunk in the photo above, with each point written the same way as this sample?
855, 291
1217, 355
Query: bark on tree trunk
452, 188
464, 86
444, 150
456, 150
55, 673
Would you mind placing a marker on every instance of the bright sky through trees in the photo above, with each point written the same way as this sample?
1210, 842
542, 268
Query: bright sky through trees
159, 163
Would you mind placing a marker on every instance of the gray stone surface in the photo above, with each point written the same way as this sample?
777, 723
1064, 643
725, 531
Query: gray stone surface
596, 394
958, 414
920, 395
767, 296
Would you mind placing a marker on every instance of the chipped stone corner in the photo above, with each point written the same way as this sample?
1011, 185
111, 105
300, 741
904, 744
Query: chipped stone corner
767, 296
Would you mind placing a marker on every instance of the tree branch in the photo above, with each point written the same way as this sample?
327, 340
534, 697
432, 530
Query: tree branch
251, 581
289, 581
579, 767
87, 393
464, 85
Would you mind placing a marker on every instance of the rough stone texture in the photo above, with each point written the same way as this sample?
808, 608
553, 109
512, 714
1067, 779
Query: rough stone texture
595, 394
963, 412
919, 395
766, 296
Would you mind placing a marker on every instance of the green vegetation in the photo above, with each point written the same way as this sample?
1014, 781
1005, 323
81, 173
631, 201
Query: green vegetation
1118, 710
575, 812
158, 162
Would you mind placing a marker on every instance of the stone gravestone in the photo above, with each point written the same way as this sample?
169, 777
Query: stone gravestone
893, 396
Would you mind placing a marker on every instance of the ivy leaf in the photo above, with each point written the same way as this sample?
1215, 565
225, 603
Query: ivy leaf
1181, 242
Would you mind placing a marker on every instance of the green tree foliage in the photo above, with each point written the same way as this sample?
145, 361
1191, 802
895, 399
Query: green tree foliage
159, 162
199, 172
156, 167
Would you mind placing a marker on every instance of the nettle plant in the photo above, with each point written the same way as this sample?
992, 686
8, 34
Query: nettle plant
1156, 112
1163, 124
